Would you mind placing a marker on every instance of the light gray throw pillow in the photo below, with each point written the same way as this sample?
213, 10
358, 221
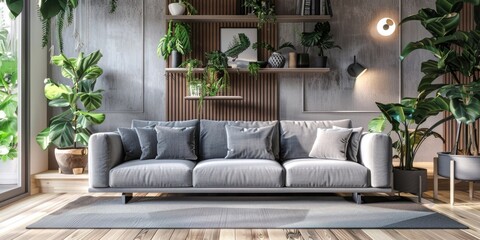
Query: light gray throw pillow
131, 143
176, 143
331, 144
148, 142
353, 143
249, 143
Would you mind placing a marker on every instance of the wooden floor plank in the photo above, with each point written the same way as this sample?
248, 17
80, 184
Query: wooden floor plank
163, 234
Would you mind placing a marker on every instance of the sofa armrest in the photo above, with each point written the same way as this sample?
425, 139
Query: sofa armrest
376, 155
105, 152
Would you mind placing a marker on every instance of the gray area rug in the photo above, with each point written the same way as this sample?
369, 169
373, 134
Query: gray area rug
245, 212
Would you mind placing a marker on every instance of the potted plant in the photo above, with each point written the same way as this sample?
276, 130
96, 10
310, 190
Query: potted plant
179, 8
263, 9
194, 83
276, 60
176, 43
253, 68
405, 120
456, 54
69, 130
320, 38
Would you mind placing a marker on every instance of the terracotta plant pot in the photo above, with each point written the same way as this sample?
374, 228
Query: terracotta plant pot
467, 168
176, 9
71, 160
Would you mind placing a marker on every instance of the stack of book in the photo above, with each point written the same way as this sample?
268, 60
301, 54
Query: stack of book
314, 7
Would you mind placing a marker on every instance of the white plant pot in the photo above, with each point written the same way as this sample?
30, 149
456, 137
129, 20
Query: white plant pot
176, 9
195, 90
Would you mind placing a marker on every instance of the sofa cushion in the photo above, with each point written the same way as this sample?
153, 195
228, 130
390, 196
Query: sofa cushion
238, 173
331, 144
148, 142
297, 137
249, 143
176, 143
152, 174
131, 143
323, 173
213, 137
353, 143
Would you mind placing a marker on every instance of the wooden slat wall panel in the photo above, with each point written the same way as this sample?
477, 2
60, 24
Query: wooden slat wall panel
467, 23
260, 94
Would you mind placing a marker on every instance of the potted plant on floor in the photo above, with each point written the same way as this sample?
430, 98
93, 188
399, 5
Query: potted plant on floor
176, 43
276, 60
180, 7
322, 39
263, 9
69, 130
406, 119
457, 55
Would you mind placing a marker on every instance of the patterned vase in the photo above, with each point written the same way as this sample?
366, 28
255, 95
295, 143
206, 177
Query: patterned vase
277, 60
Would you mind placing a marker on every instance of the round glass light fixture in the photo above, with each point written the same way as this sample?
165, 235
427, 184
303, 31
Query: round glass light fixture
386, 27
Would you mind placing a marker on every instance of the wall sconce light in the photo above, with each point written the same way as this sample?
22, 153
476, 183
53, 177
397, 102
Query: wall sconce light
386, 27
356, 69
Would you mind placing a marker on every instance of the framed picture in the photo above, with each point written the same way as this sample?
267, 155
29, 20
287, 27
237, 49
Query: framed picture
227, 36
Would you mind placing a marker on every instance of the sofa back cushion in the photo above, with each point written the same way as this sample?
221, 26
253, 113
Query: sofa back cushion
298, 137
213, 137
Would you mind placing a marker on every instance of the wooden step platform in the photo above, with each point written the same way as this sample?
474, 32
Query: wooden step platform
54, 182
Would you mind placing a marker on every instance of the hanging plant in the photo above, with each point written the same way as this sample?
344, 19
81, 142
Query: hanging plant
263, 9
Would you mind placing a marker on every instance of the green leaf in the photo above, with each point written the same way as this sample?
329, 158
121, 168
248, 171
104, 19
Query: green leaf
426, 44
82, 136
62, 133
93, 72
92, 101
96, 118
60, 102
55, 91
378, 124
43, 139
15, 6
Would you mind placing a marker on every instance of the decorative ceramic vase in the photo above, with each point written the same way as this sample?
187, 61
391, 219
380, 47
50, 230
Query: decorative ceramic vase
322, 61
277, 60
176, 59
71, 160
303, 60
176, 9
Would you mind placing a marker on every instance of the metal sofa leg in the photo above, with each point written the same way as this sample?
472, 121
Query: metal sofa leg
357, 197
126, 197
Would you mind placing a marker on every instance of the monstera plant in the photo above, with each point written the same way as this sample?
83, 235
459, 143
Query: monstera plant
69, 131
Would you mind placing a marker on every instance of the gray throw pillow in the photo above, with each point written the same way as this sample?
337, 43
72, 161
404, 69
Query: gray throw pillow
148, 142
331, 144
131, 143
249, 143
354, 143
176, 143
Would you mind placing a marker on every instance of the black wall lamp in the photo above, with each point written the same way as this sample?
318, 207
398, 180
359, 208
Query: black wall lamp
356, 69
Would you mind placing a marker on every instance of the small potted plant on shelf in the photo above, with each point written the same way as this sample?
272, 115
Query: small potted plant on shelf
69, 130
320, 38
457, 55
276, 60
405, 120
180, 7
194, 83
263, 9
176, 43
254, 68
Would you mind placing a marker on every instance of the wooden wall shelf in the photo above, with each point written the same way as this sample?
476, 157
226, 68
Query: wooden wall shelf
262, 70
216, 98
247, 18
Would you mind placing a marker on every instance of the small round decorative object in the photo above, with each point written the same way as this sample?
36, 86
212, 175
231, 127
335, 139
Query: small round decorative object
386, 27
277, 60
176, 9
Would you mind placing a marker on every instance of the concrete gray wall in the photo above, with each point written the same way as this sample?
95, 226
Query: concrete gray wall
134, 76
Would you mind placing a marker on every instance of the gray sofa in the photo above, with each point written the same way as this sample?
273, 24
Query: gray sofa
292, 172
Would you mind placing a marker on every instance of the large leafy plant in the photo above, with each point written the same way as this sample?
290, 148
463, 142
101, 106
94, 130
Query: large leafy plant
176, 39
8, 116
263, 9
457, 53
320, 38
79, 100
406, 119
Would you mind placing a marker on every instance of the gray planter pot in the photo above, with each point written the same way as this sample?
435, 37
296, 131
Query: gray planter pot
322, 61
467, 168
408, 181
176, 59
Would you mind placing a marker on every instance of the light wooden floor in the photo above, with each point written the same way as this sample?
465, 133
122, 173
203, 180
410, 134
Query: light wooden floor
15, 217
